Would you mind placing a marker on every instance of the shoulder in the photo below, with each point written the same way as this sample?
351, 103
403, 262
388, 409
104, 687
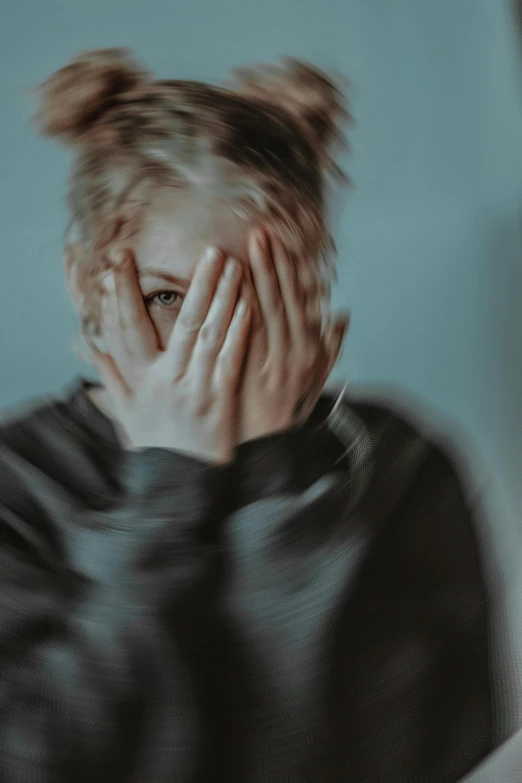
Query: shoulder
24, 420
432, 529
395, 414
399, 443
391, 418
33, 435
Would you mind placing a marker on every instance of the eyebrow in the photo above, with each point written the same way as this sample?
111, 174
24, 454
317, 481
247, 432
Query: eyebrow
149, 271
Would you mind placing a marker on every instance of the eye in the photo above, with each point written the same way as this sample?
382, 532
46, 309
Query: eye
164, 299
167, 298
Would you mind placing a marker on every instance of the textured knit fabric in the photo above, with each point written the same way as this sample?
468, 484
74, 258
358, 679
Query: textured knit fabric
316, 611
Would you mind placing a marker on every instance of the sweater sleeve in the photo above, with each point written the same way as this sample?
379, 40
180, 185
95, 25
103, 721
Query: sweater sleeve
84, 644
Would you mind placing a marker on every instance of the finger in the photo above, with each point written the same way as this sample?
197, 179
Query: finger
110, 376
249, 292
138, 331
333, 342
258, 336
112, 333
82, 348
231, 358
293, 298
213, 332
268, 294
194, 310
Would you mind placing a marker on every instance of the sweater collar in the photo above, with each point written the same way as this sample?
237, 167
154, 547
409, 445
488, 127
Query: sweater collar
265, 466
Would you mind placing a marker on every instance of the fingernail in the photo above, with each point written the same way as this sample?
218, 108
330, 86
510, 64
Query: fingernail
109, 283
119, 257
231, 267
210, 255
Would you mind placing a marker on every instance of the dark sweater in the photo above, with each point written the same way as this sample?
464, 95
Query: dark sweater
316, 611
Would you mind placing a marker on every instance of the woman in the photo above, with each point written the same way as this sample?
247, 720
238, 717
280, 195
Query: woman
210, 572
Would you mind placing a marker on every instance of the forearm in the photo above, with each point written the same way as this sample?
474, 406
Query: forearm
81, 650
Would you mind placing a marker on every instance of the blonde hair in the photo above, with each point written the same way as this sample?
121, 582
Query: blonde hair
268, 135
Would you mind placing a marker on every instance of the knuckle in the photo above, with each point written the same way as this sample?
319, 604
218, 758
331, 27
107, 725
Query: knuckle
226, 368
306, 357
188, 323
310, 358
211, 335
199, 402
202, 407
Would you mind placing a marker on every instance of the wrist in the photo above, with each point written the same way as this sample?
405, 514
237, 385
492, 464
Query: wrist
263, 429
209, 455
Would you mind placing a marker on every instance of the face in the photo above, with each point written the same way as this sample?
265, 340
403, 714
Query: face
178, 227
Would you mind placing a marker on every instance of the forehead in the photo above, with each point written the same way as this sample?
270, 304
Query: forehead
179, 225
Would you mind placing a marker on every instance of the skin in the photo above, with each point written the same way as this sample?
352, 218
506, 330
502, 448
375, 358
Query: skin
177, 231
149, 315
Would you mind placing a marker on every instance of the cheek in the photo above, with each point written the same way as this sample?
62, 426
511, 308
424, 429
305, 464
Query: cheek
164, 324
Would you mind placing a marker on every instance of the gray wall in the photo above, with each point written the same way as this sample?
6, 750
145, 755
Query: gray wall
430, 238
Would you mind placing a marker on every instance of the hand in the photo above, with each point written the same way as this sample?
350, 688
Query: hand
289, 358
181, 398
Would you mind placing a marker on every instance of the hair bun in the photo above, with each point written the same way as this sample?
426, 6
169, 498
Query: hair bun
74, 97
301, 90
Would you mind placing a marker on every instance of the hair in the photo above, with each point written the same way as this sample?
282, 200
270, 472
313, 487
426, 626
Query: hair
267, 137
